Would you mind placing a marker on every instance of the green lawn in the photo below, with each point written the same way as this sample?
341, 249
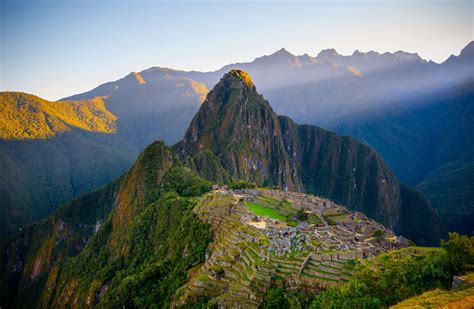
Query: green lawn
263, 211
284, 207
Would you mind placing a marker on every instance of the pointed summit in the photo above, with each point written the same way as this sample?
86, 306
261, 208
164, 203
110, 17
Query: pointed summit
238, 79
283, 52
327, 55
237, 128
464, 59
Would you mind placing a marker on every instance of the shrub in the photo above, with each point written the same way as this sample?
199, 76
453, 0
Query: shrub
301, 215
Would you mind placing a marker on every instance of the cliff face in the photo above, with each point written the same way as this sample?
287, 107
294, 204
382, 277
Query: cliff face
344, 170
237, 128
28, 257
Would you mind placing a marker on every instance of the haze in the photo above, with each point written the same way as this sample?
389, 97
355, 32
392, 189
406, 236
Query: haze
54, 49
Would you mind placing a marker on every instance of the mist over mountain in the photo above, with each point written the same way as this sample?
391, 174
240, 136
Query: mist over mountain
150, 105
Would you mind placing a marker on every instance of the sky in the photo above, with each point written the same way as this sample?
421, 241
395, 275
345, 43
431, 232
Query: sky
55, 49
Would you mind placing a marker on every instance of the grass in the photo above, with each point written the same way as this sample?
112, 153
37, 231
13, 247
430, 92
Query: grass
340, 218
462, 297
203, 278
263, 211
269, 200
313, 219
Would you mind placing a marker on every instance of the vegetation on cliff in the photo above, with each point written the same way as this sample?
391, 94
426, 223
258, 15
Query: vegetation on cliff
138, 252
390, 278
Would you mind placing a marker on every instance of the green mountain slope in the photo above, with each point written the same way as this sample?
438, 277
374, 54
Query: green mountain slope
25, 116
53, 151
27, 258
134, 239
451, 191
416, 114
435, 135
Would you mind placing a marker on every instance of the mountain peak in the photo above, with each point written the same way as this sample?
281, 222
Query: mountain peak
468, 50
283, 52
465, 56
407, 56
327, 54
238, 78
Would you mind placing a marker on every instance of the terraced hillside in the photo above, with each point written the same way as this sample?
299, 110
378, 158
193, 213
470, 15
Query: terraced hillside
298, 242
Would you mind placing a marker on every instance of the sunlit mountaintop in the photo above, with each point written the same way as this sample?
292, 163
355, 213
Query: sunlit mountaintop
25, 116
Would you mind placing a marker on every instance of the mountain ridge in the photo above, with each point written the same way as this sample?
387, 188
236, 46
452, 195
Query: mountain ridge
31, 117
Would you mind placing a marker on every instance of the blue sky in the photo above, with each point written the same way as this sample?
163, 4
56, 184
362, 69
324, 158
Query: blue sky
58, 48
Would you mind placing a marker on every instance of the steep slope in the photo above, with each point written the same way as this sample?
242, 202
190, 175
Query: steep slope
416, 114
450, 192
129, 243
53, 151
150, 105
239, 128
435, 138
460, 298
27, 257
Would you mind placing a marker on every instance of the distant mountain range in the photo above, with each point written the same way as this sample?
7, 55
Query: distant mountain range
133, 241
416, 114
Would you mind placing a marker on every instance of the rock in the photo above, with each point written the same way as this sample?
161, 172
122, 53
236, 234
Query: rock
458, 281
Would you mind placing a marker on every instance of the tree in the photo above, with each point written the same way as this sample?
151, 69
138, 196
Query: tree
379, 235
460, 251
